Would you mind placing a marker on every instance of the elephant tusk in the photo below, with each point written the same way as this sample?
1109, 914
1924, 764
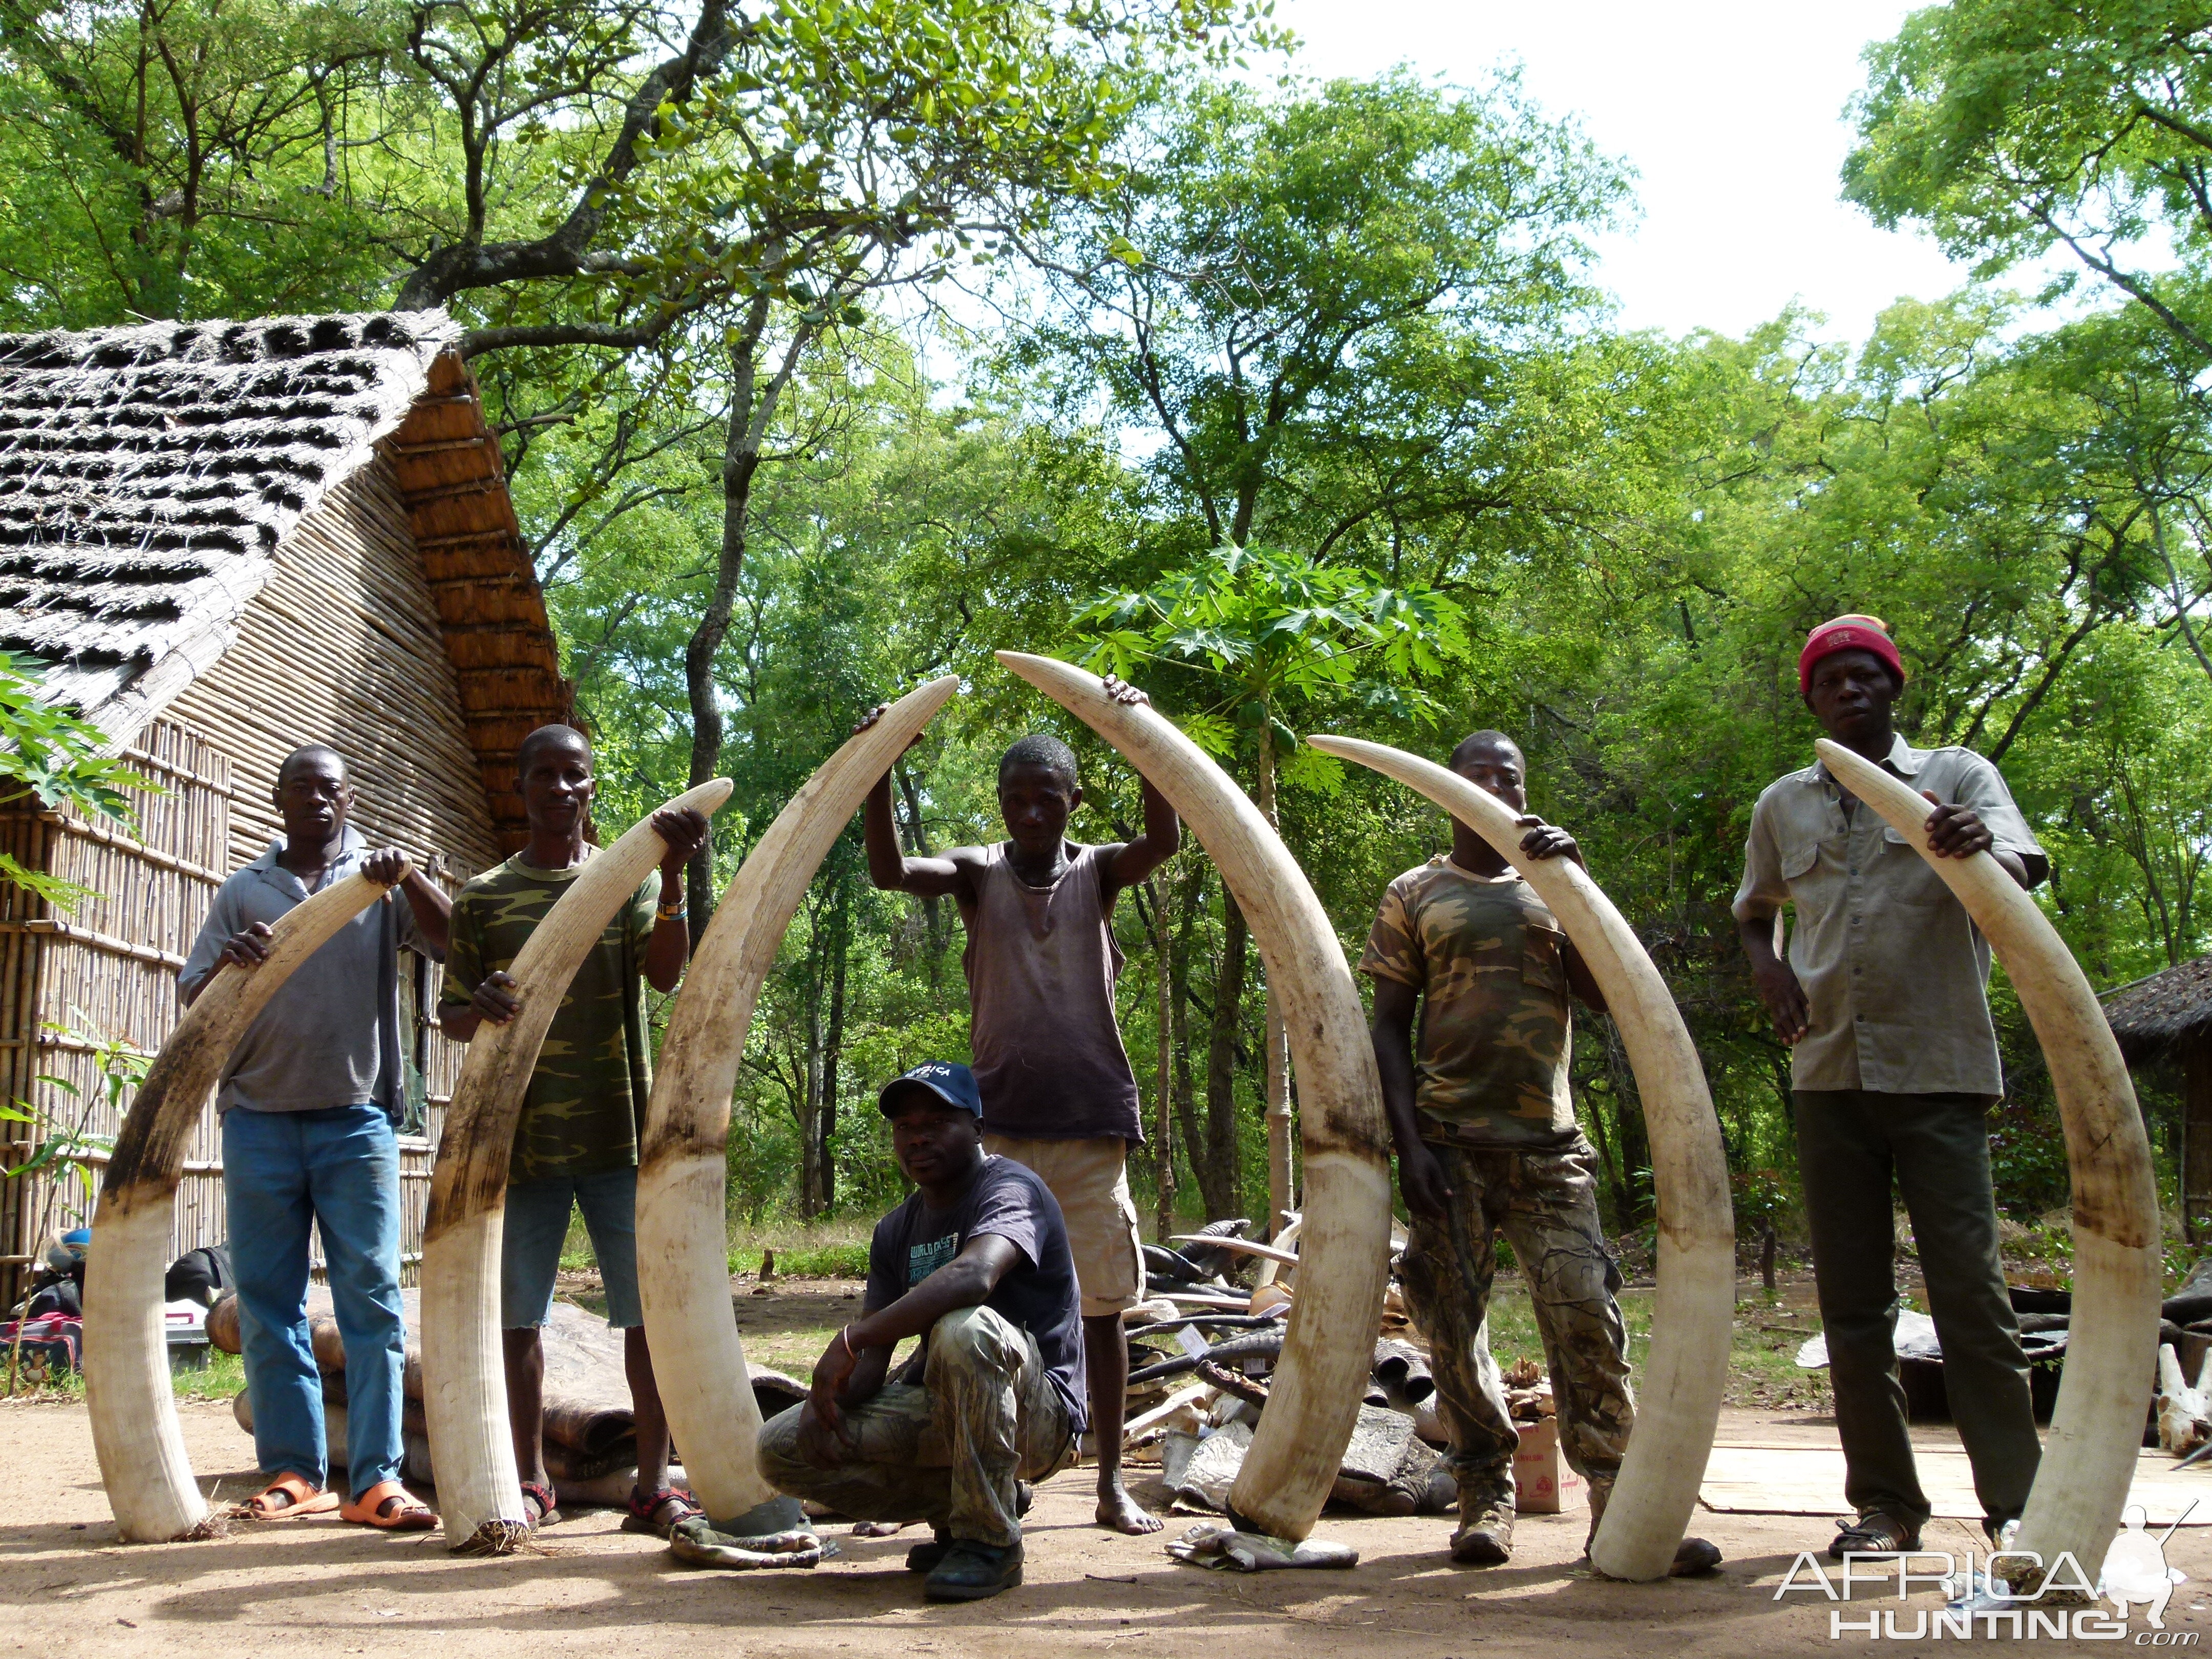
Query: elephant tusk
463, 1370
1695, 1305
683, 1226
1343, 1251
135, 1431
2105, 1387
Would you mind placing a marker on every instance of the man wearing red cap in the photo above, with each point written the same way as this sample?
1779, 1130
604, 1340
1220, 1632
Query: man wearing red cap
1893, 1070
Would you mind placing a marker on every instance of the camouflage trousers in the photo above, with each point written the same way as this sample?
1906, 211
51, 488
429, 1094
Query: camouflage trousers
1546, 1204
947, 1452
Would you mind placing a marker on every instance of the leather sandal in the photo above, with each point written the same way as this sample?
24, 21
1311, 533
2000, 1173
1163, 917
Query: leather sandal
1875, 1534
389, 1507
289, 1496
659, 1513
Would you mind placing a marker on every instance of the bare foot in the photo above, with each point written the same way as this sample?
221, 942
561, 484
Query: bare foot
1119, 1512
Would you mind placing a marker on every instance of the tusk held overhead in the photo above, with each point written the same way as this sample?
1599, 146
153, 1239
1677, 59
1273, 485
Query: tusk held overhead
1343, 1249
463, 1371
135, 1431
2105, 1387
683, 1183
1695, 1303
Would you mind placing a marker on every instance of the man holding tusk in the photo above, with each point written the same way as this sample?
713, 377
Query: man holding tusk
1487, 1142
1058, 1092
310, 1101
576, 1143
977, 1264
1894, 1067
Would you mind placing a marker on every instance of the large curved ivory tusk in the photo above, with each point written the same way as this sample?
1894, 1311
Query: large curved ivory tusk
464, 1372
683, 1183
126, 1349
2089, 1456
1344, 1252
1695, 1303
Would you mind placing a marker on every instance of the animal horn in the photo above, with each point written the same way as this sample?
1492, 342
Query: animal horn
2104, 1389
682, 1236
463, 1374
1695, 1306
1343, 1251
135, 1432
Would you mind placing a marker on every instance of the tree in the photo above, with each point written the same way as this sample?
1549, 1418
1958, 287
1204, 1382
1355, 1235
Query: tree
2013, 128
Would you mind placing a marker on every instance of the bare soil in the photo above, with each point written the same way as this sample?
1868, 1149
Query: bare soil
590, 1588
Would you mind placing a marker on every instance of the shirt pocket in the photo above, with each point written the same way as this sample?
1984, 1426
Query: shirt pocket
1799, 856
1908, 877
1543, 959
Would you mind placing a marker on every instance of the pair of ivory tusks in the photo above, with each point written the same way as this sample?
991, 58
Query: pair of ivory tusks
1695, 1303
1343, 1249
682, 1228
2089, 1456
135, 1432
463, 1373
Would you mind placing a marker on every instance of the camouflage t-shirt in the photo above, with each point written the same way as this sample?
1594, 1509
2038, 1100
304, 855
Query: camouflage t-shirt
1491, 1058
587, 1096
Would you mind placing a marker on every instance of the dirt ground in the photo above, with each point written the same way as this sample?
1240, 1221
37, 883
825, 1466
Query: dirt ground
593, 1590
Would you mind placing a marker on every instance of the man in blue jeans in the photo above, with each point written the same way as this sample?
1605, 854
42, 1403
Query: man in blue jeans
575, 1145
309, 1102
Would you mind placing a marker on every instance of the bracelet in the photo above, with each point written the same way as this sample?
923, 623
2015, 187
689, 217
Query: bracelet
671, 913
847, 1341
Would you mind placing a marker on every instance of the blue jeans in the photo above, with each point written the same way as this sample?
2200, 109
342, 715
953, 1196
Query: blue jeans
339, 1167
536, 1226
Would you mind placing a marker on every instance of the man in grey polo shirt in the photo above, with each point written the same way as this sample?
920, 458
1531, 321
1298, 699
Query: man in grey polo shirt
1894, 1068
309, 1100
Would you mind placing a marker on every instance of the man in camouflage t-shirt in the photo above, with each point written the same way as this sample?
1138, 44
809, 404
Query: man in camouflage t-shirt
1487, 1142
576, 1143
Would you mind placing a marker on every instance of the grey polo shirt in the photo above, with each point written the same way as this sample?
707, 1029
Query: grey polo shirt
331, 1035
1895, 972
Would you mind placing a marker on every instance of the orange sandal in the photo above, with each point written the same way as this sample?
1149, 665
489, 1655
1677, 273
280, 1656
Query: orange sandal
287, 1497
390, 1506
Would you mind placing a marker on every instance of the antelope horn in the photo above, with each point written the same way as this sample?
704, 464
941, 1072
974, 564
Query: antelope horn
463, 1374
142, 1461
682, 1182
1687, 1370
1343, 1251
2089, 1456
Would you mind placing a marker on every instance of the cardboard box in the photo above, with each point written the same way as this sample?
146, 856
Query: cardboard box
1543, 1482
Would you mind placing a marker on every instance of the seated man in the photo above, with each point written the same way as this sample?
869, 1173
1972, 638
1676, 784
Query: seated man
977, 1264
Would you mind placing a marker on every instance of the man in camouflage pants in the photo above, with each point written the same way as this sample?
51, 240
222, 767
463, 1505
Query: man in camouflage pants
576, 1144
1487, 1142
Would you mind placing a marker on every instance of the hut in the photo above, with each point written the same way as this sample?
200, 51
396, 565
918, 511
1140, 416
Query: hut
226, 539
2168, 1017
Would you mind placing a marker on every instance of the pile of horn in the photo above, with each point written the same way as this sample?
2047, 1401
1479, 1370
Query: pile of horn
1294, 1457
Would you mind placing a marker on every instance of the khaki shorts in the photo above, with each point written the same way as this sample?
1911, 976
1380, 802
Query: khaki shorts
1091, 1179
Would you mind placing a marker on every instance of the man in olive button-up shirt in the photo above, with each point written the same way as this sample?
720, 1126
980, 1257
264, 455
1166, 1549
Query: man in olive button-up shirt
1895, 1067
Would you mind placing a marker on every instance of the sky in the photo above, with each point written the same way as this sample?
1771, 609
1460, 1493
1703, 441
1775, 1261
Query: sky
1731, 111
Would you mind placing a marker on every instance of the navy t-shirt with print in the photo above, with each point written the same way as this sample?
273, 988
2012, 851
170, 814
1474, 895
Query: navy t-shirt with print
1038, 1292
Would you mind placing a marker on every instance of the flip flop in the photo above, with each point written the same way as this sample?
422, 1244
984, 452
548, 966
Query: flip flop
390, 1507
537, 1493
289, 1496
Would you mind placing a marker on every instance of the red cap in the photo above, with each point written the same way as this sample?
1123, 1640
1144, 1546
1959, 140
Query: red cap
1847, 633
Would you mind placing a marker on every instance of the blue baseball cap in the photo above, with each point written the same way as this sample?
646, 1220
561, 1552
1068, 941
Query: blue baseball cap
949, 1080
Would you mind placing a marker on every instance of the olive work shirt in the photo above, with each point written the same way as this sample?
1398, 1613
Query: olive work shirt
1895, 973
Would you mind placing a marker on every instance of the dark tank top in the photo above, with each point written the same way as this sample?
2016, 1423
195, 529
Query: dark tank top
1041, 964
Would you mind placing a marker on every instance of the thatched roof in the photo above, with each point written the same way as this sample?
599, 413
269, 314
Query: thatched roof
2153, 1016
149, 475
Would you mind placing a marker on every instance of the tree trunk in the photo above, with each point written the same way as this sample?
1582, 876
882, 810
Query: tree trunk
1277, 1102
1221, 1178
917, 837
1163, 1169
1190, 906
809, 1109
740, 463
833, 1053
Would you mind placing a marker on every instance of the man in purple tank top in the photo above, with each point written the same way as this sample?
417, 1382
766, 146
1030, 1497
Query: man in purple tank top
1059, 1095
